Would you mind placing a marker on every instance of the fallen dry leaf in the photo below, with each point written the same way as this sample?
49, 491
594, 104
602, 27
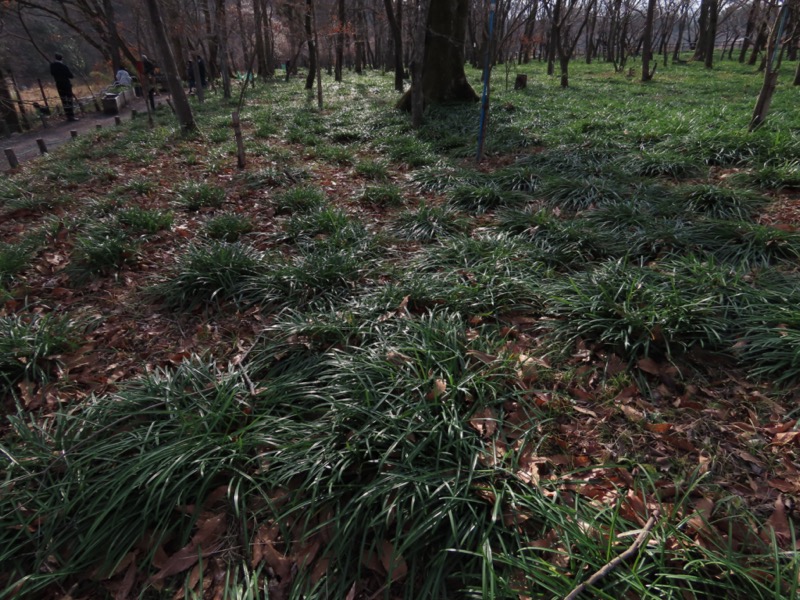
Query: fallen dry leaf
393, 562
438, 389
203, 543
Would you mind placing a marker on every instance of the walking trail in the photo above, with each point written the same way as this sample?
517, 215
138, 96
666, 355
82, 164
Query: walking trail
58, 131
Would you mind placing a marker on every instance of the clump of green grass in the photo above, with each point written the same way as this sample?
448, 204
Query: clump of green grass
101, 250
145, 220
579, 193
319, 272
720, 202
773, 175
228, 227
298, 199
428, 222
271, 177
664, 164
140, 185
634, 310
480, 199
372, 169
442, 177
338, 155
387, 195
746, 244
328, 226
14, 258
208, 274
31, 346
193, 195
769, 345
408, 150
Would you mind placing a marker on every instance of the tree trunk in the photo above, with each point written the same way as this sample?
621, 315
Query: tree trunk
443, 77
797, 75
676, 54
396, 26
182, 108
337, 71
759, 43
647, 46
360, 35
711, 33
222, 37
8, 114
261, 55
242, 32
702, 32
312, 48
752, 19
417, 99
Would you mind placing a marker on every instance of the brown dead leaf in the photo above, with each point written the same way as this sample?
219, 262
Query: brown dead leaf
393, 562
351, 595
527, 370
658, 427
485, 358
778, 523
203, 543
785, 438
484, 422
648, 365
702, 513
438, 390
632, 414
124, 590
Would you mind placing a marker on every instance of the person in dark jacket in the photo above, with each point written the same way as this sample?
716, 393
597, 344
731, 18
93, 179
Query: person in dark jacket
62, 76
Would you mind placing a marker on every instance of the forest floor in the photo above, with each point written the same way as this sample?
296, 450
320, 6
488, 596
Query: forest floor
364, 366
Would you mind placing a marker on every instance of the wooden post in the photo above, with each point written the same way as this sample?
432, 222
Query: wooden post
117, 121
12, 158
42, 146
237, 131
133, 114
73, 133
44, 96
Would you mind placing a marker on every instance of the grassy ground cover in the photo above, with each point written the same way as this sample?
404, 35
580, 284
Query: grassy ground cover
366, 367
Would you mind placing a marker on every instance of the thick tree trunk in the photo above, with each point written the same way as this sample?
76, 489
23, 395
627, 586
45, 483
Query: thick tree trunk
647, 45
711, 33
312, 48
396, 26
443, 77
702, 32
261, 55
340, 15
360, 37
182, 108
222, 40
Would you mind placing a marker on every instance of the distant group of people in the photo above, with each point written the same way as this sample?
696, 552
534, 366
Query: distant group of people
63, 78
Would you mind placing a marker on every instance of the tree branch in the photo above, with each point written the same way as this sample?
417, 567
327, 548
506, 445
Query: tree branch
614, 563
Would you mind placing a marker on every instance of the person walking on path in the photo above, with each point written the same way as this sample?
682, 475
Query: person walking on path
62, 76
123, 78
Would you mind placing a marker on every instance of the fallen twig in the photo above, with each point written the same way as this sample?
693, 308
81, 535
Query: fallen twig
615, 562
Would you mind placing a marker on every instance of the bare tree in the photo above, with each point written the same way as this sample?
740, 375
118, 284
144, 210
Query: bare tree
182, 108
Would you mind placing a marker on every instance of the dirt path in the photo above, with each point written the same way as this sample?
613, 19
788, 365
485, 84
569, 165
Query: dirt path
58, 131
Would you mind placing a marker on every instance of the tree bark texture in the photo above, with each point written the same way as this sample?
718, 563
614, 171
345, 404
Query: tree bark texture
443, 77
182, 108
